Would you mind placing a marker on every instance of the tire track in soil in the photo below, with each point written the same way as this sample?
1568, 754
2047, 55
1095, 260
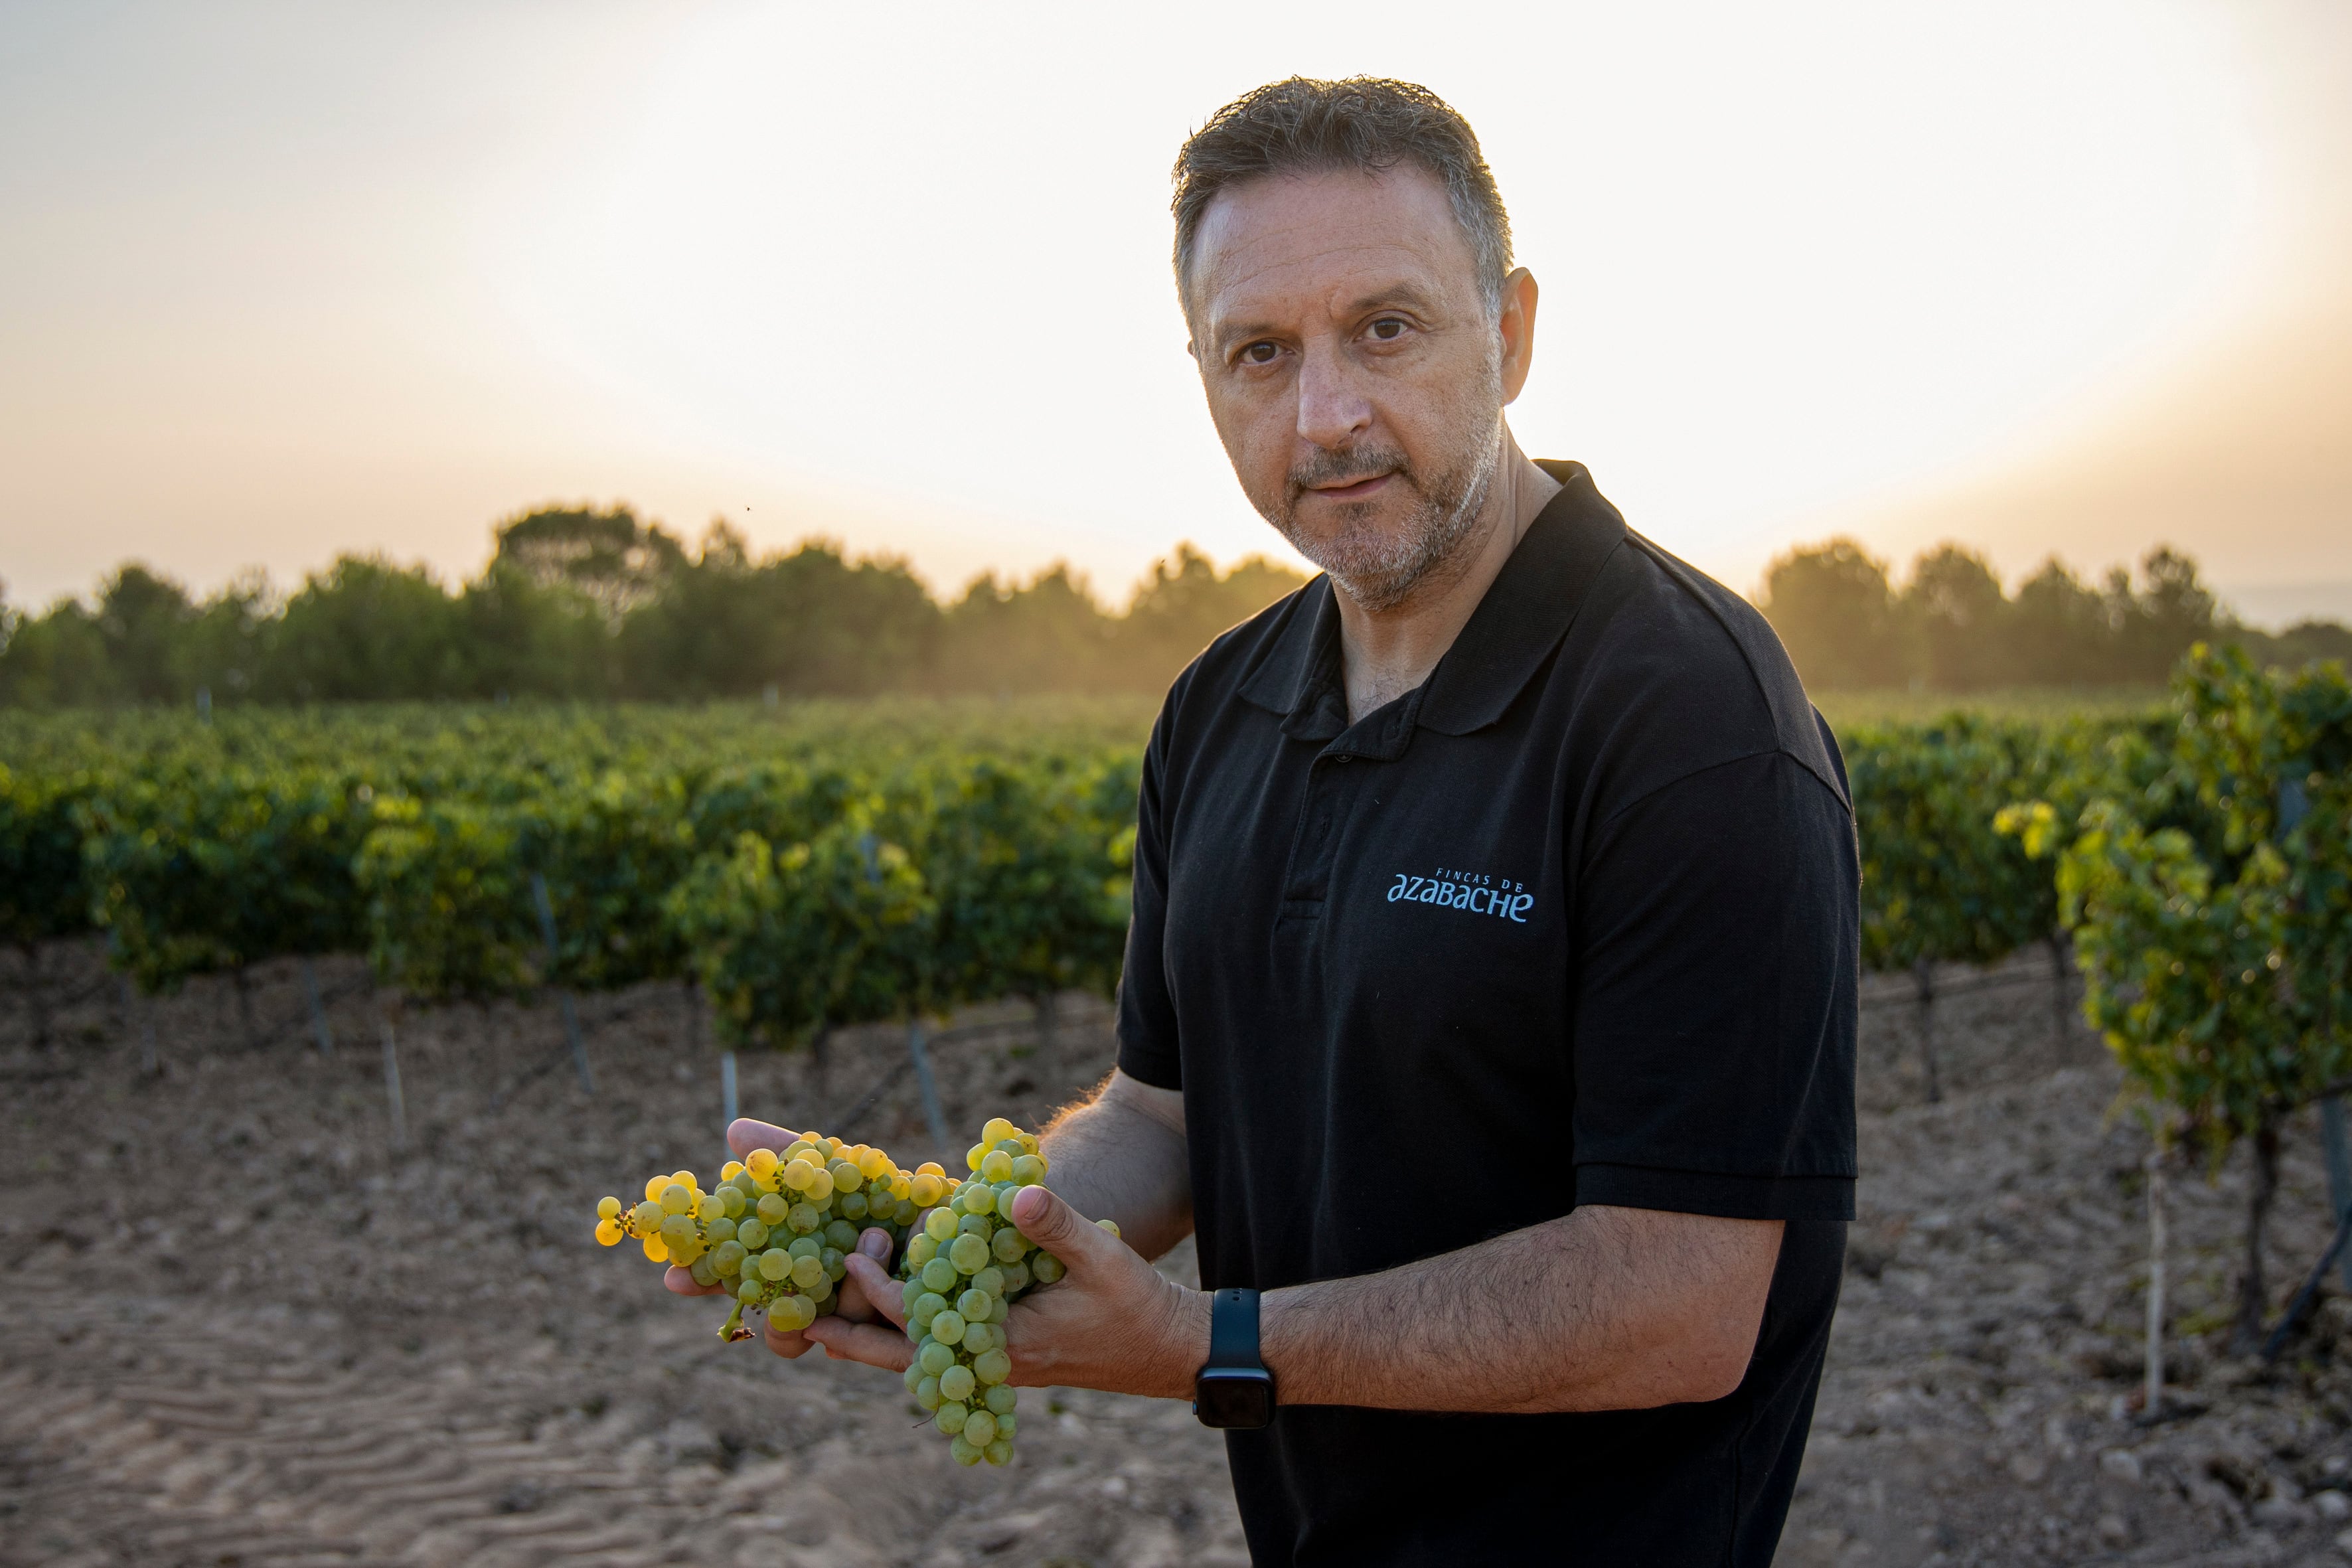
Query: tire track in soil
212, 1448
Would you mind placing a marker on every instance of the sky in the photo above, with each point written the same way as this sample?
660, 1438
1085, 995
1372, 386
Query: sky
278, 281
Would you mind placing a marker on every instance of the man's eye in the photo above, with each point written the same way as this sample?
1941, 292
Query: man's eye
1259, 353
1388, 329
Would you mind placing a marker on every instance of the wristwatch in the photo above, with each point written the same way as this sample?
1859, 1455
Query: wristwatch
1234, 1389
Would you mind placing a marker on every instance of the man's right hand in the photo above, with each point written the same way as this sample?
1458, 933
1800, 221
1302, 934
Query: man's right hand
743, 1135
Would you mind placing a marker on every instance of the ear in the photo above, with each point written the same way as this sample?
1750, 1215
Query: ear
1517, 328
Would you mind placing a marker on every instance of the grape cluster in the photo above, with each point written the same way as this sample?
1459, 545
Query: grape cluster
777, 1227
963, 1270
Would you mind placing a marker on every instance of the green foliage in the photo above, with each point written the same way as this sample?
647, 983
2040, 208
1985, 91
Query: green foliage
43, 893
448, 899
2211, 906
193, 874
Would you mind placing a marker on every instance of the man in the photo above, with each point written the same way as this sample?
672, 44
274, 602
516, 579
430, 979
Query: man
1489, 997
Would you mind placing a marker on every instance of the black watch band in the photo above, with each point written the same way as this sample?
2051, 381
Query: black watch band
1234, 1389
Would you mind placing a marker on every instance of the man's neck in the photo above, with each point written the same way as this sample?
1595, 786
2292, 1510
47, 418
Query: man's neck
1385, 654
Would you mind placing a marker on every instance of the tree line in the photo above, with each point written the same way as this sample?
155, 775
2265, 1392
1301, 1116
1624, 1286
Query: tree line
586, 603
1953, 627
582, 603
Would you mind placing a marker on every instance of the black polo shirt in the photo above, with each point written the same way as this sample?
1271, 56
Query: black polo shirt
1582, 909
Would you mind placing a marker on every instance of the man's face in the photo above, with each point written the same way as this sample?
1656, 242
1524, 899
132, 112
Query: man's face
1352, 370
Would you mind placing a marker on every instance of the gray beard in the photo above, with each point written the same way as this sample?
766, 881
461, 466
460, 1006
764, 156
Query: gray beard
1378, 569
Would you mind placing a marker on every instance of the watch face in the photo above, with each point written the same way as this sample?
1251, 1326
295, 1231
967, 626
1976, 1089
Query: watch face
1234, 1399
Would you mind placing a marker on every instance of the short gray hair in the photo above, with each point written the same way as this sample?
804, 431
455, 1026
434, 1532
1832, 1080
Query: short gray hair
1365, 123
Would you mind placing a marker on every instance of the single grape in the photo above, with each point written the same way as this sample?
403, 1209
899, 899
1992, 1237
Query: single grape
968, 1254
1110, 1224
957, 1383
608, 1208
963, 1453
999, 1452
732, 1201
645, 1216
728, 1257
911, 1292
805, 1246
799, 1312
607, 1233
920, 1249
977, 1200
973, 1304
703, 1272
996, 1166
990, 1279
677, 1198
730, 1171
1001, 1310
926, 1189
1007, 1425
980, 1338
773, 1209
719, 1229
1045, 1267
821, 1292
951, 1416
991, 1366
1005, 1191
806, 1272
793, 1175
912, 1377
654, 1250
941, 1226
973, 1155
753, 1233
978, 1225
926, 1389
947, 1327
841, 1235
934, 1357
940, 1275
999, 1400
760, 1162
774, 1264
709, 1207
749, 1292
1016, 1277
847, 1177
855, 1207
653, 1186
996, 1130
804, 1218
927, 1305
820, 1186
1028, 1170
1008, 1244
979, 1427
675, 1230
835, 1264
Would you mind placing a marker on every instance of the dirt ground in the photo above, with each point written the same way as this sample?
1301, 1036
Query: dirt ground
239, 1329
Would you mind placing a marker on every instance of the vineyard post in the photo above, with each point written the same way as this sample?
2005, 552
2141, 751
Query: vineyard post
725, 1091
320, 1027
562, 993
1923, 976
392, 1083
920, 1052
2056, 940
2152, 1399
243, 982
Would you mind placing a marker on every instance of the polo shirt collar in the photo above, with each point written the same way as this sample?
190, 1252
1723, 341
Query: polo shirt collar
1526, 612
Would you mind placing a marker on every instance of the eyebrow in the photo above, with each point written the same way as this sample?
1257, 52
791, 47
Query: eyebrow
1403, 294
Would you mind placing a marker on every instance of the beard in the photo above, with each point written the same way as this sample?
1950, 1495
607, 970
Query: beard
1380, 563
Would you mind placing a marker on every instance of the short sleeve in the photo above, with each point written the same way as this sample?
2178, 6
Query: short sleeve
1715, 998
1147, 1011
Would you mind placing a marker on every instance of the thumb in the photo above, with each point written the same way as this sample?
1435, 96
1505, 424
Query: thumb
1054, 1225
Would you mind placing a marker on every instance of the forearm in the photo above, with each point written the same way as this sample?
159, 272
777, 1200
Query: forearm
1604, 1308
1121, 1156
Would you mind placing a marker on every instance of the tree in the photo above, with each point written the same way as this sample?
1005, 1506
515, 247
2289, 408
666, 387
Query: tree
367, 629
1834, 612
2058, 629
1048, 635
609, 556
1181, 606
1961, 614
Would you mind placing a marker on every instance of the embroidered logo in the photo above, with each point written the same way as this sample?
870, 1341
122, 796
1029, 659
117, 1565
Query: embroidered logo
1472, 891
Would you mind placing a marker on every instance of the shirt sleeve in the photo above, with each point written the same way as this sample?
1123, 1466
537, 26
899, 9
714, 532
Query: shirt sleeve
1147, 1013
1715, 998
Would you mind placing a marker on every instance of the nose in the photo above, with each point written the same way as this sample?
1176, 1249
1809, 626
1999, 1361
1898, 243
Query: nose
1333, 411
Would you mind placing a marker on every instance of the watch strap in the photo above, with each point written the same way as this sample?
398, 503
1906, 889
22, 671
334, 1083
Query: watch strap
1233, 1330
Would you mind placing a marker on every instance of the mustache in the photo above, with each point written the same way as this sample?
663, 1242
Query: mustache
1348, 465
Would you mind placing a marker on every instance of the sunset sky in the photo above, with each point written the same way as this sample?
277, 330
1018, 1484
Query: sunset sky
282, 280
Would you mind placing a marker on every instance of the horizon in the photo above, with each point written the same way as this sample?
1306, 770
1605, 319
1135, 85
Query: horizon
284, 285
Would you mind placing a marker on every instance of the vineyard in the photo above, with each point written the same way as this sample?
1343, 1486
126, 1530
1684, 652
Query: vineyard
803, 880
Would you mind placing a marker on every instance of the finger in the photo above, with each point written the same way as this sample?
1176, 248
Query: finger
680, 1282
877, 1286
874, 1242
790, 1345
866, 1342
1060, 1229
744, 1134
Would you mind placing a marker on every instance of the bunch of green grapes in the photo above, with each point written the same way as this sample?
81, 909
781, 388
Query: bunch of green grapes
776, 1227
963, 1270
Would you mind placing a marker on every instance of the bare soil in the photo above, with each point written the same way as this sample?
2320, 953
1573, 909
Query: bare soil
240, 1328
